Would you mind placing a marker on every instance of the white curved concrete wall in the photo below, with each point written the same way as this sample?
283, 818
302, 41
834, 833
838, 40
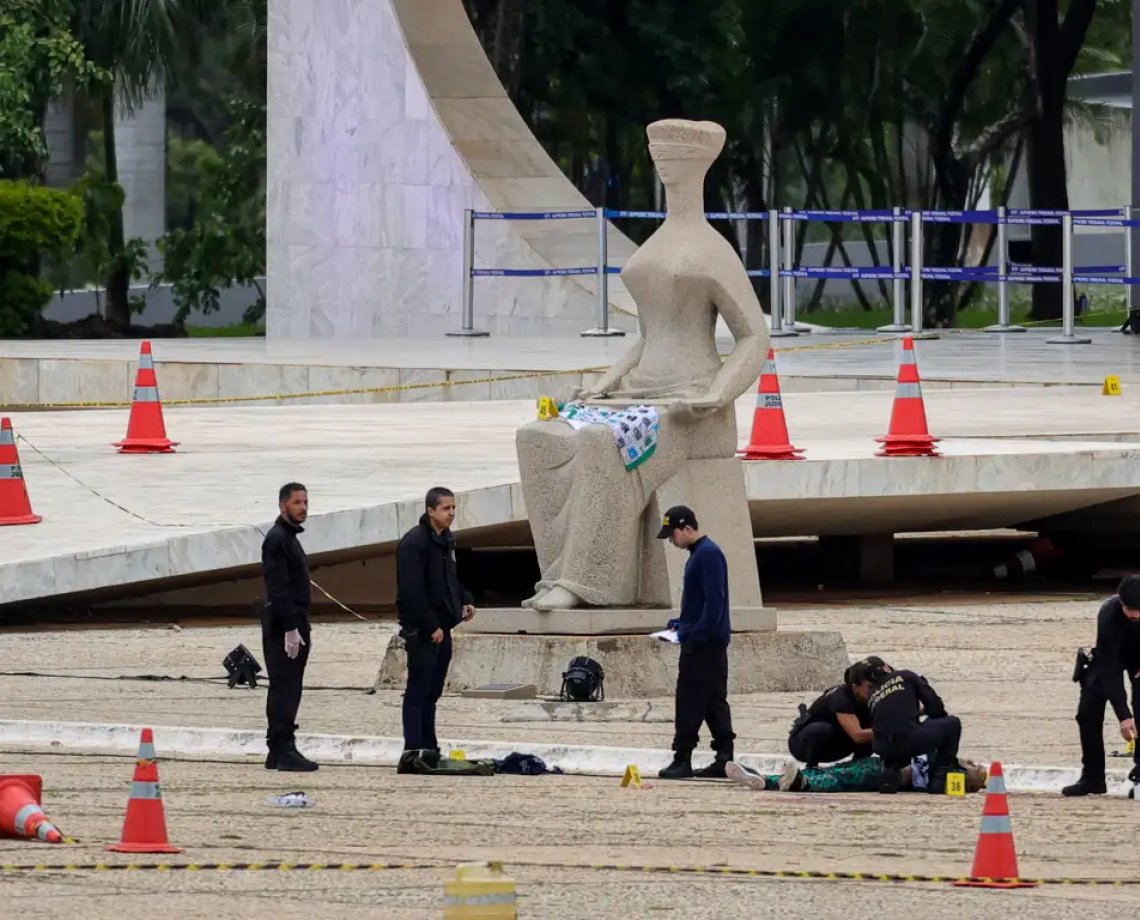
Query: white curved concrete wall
385, 122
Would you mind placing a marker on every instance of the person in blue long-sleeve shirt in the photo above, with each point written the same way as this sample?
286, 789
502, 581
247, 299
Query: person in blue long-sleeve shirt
704, 630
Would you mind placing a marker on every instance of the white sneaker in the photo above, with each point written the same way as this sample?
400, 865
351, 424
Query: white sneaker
739, 773
791, 780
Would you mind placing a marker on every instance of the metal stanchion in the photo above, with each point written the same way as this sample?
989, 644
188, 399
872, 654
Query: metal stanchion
603, 327
1068, 334
916, 272
775, 317
1128, 256
468, 329
898, 320
783, 307
1003, 324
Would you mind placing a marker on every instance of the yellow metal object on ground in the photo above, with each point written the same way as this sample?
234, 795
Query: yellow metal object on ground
547, 408
1111, 386
480, 891
956, 783
457, 754
632, 777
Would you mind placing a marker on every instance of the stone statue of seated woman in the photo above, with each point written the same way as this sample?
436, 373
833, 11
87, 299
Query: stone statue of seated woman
584, 497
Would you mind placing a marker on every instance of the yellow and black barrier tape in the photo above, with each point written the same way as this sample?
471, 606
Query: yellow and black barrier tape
724, 871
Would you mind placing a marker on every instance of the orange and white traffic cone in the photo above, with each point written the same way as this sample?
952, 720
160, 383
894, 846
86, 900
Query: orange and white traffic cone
769, 439
15, 507
20, 811
908, 435
995, 860
146, 430
144, 828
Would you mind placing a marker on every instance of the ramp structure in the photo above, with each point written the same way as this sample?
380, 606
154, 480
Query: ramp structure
386, 121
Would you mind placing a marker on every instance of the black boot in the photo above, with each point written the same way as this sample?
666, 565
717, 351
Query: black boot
290, 760
890, 779
714, 770
271, 759
680, 768
1085, 786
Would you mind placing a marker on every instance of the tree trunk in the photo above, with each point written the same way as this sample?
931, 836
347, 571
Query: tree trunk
118, 310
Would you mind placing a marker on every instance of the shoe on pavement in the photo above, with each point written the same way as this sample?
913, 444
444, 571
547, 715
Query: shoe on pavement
1085, 786
890, 780
293, 761
792, 779
680, 768
714, 770
739, 773
271, 761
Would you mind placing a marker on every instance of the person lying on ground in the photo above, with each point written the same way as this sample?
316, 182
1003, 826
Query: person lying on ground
863, 775
838, 724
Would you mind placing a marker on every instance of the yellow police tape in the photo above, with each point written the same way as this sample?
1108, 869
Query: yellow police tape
600, 867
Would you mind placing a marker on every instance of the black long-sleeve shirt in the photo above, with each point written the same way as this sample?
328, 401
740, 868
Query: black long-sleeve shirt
894, 705
1117, 651
429, 595
705, 617
286, 570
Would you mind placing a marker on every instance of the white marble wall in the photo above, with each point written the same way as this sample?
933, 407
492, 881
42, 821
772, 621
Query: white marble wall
367, 192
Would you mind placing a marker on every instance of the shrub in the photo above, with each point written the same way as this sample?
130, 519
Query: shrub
35, 223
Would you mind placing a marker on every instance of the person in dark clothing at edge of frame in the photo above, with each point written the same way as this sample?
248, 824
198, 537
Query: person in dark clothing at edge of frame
704, 630
897, 700
430, 602
1101, 676
286, 636
837, 725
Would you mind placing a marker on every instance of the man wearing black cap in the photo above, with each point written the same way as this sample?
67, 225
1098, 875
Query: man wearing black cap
704, 630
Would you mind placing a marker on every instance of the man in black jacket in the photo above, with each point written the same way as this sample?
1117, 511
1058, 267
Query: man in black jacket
1102, 681
286, 636
897, 701
430, 602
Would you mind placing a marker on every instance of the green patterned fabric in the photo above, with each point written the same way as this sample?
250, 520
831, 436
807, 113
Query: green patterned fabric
849, 776
635, 429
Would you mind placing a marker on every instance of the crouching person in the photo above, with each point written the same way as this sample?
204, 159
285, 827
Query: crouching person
897, 701
837, 725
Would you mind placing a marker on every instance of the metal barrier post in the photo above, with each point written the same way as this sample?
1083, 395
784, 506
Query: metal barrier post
1003, 324
1068, 334
1128, 256
784, 307
898, 319
775, 316
603, 327
916, 271
468, 329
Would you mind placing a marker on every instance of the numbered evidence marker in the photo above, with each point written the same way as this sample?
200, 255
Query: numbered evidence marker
457, 754
632, 777
547, 408
1111, 386
956, 784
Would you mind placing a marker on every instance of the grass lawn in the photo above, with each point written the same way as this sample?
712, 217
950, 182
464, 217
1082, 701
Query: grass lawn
224, 332
1106, 312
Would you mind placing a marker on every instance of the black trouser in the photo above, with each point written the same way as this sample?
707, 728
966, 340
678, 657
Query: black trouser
937, 738
1090, 720
702, 696
427, 672
822, 742
286, 679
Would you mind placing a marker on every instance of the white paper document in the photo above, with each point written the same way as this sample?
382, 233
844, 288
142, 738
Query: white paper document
666, 635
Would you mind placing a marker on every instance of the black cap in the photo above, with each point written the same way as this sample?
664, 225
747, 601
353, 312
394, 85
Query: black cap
676, 517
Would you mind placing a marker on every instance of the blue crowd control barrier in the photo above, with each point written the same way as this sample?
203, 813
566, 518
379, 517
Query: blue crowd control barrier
854, 273
842, 217
710, 215
533, 215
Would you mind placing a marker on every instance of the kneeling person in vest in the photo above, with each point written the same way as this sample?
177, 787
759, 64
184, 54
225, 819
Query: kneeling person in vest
837, 725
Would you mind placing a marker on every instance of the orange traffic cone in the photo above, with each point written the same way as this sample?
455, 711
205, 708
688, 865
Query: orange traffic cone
995, 860
20, 811
146, 431
769, 440
15, 508
908, 435
144, 828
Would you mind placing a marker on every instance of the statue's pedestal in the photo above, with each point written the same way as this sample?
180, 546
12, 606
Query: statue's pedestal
601, 621
524, 646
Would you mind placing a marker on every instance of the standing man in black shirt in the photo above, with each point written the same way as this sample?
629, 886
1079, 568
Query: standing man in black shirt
838, 724
430, 602
897, 701
1102, 681
286, 637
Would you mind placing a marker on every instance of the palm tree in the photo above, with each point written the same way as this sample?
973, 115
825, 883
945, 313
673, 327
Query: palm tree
133, 41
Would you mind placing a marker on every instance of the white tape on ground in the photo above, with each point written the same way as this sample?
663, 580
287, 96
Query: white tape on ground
590, 760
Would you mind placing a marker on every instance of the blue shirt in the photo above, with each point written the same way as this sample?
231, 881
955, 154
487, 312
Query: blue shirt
704, 596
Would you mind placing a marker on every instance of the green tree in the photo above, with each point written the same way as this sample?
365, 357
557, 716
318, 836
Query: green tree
39, 58
133, 42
